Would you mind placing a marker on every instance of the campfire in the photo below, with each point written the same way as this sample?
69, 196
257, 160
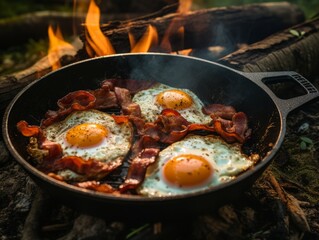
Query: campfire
250, 38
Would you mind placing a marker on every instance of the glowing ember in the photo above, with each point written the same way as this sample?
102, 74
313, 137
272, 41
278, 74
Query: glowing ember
57, 46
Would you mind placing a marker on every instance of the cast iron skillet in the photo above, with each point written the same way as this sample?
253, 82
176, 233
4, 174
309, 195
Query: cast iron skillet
213, 83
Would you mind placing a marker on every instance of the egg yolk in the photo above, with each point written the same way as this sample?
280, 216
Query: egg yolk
86, 135
174, 99
187, 170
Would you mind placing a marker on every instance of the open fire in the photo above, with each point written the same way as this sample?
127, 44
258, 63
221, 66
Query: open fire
97, 44
222, 33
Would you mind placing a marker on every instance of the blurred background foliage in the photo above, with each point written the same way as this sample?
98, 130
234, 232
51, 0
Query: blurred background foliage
310, 7
9, 8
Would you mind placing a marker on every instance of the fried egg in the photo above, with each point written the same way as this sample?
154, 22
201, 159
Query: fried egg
90, 135
153, 100
193, 164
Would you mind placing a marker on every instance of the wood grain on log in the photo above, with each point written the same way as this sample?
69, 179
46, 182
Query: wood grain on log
295, 49
226, 26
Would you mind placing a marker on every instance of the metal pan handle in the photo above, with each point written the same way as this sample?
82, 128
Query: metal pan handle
285, 105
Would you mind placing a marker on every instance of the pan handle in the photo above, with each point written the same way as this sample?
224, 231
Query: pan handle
285, 105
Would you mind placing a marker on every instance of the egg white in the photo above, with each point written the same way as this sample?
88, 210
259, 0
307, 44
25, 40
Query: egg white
114, 147
226, 159
151, 109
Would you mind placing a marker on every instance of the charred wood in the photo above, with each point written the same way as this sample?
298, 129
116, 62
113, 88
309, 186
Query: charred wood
296, 49
218, 26
225, 26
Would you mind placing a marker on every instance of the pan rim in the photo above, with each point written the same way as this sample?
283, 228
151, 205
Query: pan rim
130, 198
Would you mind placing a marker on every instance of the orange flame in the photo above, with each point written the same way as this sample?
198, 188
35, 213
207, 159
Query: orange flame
149, 39
57, 46
99, 43
184, 6
175, 26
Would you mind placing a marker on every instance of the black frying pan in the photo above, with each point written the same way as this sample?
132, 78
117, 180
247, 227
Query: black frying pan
213, 83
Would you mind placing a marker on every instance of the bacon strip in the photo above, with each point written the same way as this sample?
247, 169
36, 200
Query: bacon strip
169, 127
228, 137
54, 151
90, 168
125, 100
240, 126
97, 186
78, 100
230, 125
28, 130
104, 98
101, 98
133, 86
219, 110
137, 170
74, 101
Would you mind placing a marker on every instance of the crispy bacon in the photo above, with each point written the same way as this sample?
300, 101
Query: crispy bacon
78, 100
28, 130
133, 86
74, 101
104, 98
54, 151
120, 119
171, 120
143, 142
97, 186
219, 110
240, 126
169, 127
229, 137
125, 100
90, 168
137, 170
233, 130
101, 98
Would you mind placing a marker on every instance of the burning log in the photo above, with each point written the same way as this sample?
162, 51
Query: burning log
35, 25
10, 85
295, 49
202, 28
225, 26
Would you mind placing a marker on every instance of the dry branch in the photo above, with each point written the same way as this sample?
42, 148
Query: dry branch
295, 49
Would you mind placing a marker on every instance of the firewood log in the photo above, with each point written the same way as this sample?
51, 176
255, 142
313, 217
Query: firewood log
225, 26
284, 15
18, 30
296, 49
